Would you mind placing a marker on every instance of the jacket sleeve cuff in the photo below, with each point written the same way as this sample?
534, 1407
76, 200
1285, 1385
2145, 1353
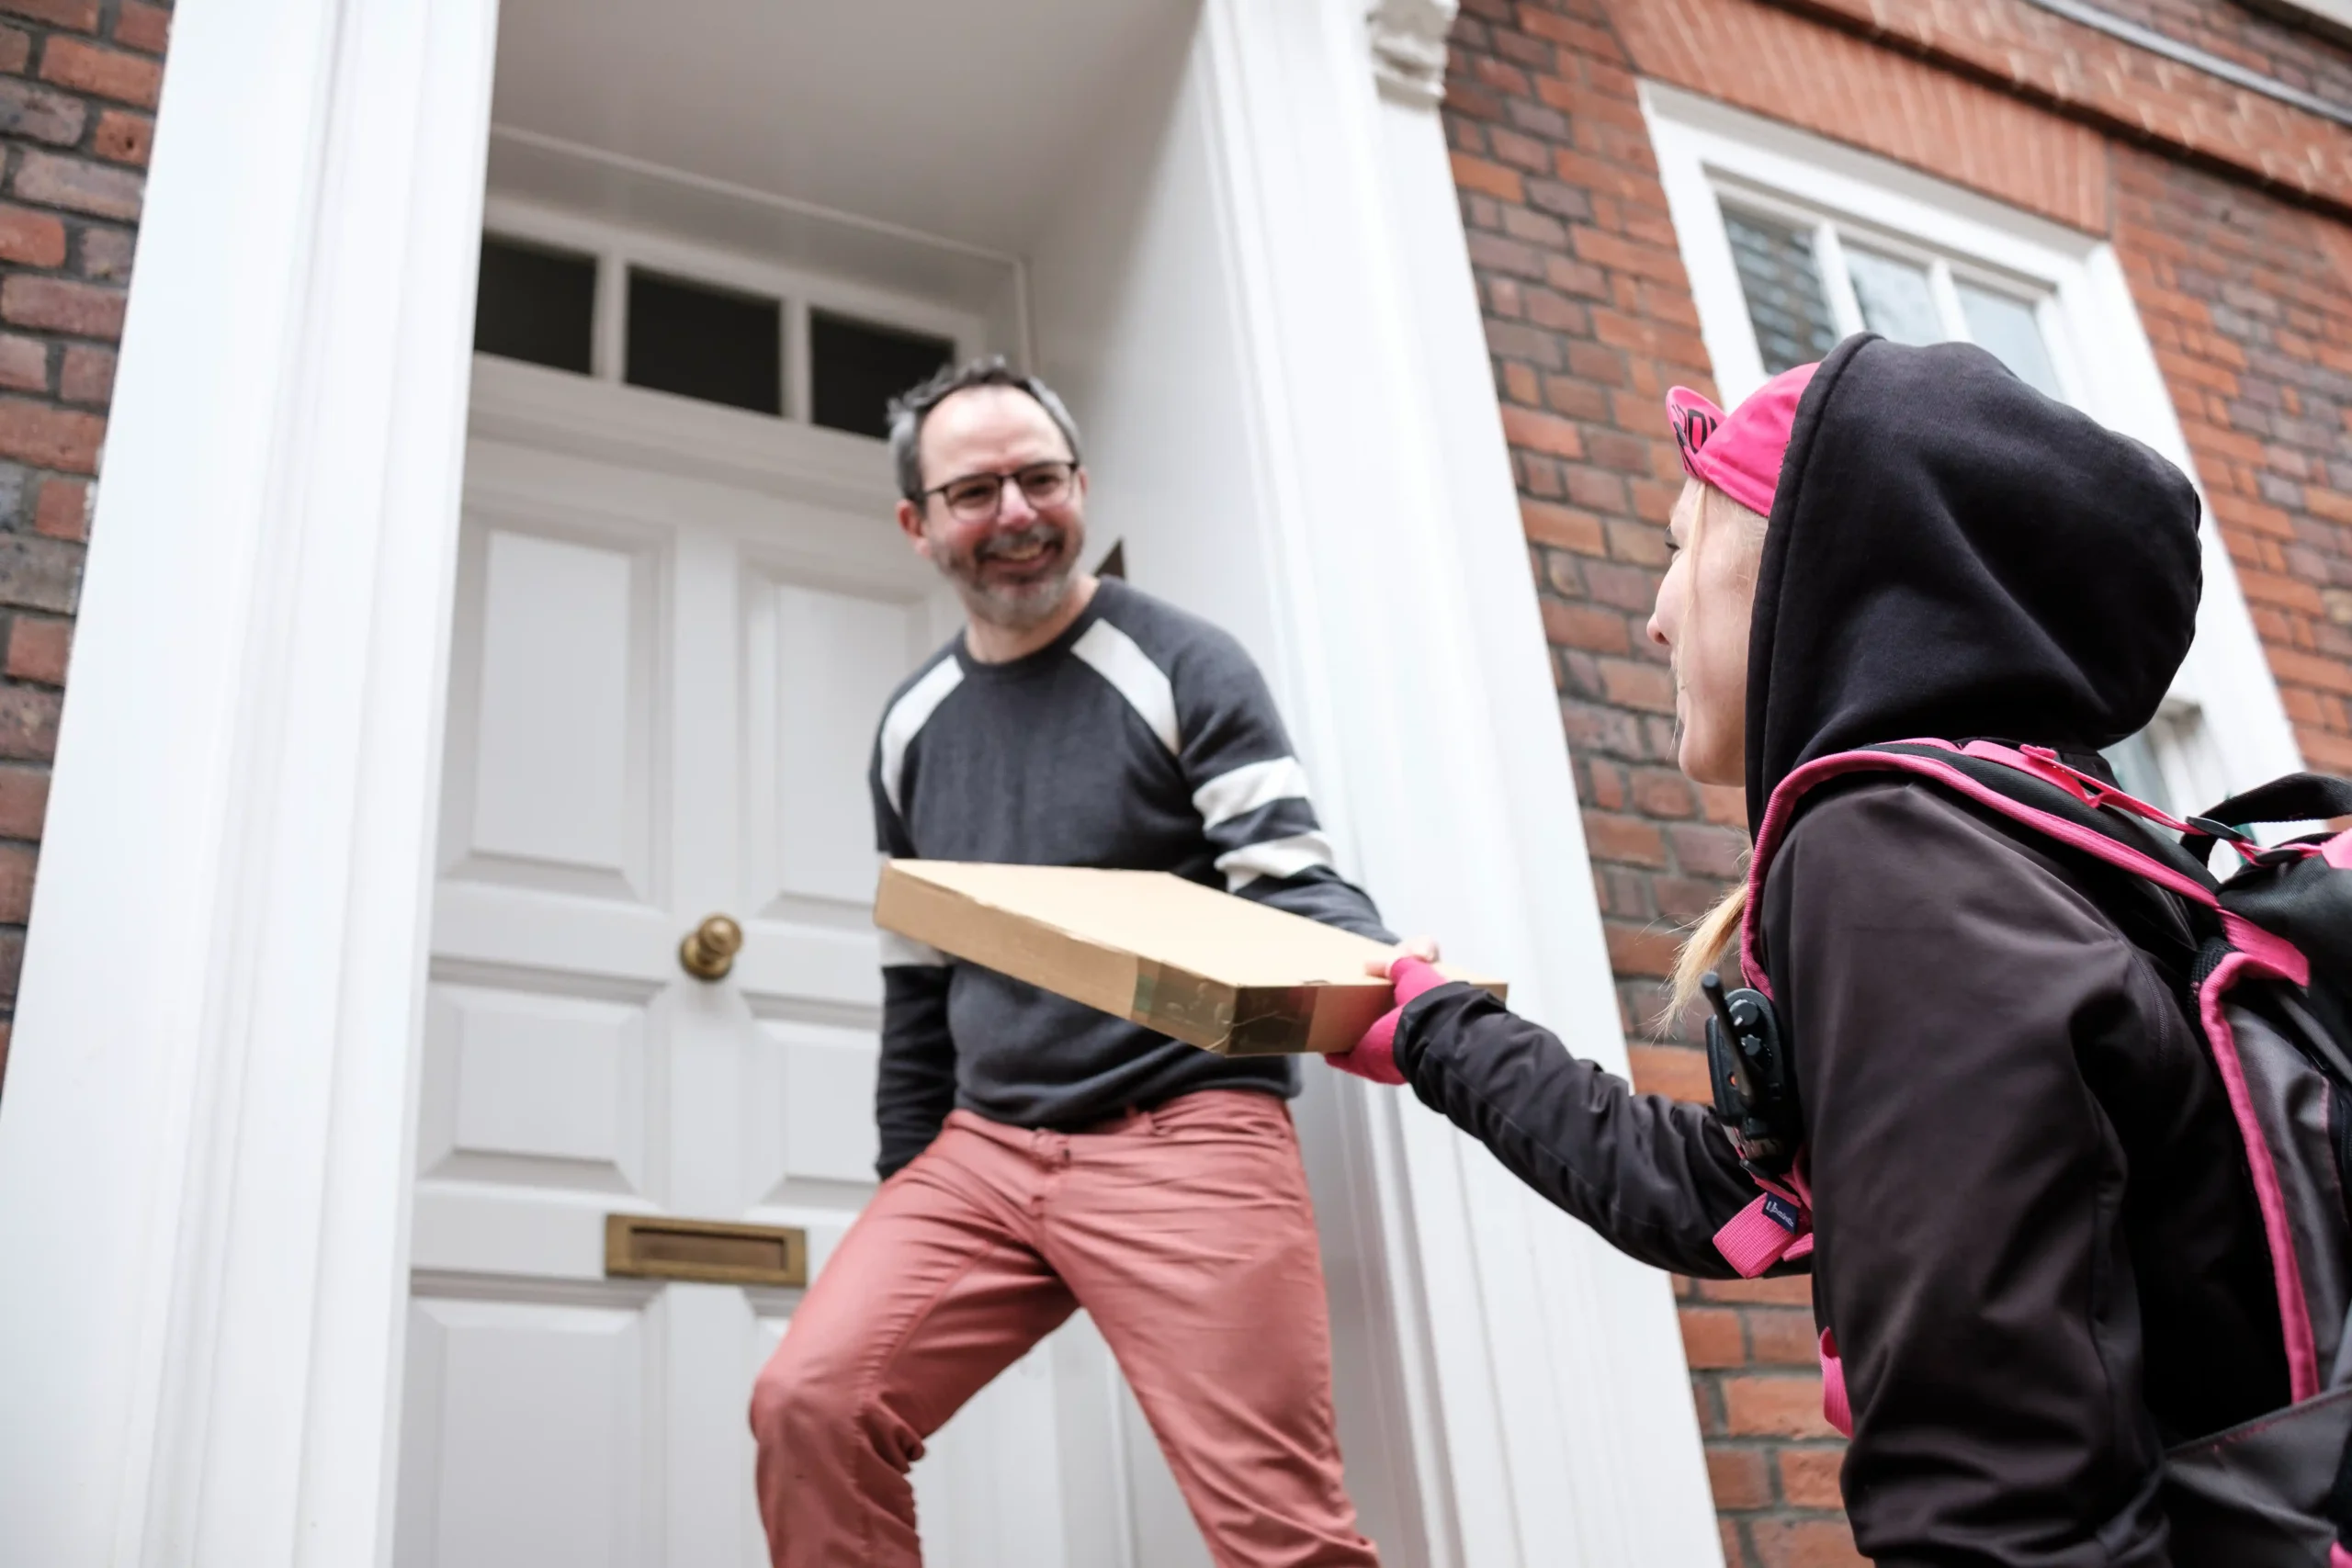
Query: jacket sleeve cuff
1410, 1045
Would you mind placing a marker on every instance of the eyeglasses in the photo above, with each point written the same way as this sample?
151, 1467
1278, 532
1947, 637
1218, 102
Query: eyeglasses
977, 498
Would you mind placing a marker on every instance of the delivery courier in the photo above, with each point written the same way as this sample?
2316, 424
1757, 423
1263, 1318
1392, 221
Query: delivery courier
1038, 1155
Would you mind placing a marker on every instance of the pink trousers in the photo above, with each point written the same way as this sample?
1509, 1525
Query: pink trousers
1185, 1231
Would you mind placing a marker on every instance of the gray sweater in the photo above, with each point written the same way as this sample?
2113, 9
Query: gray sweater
1141, 737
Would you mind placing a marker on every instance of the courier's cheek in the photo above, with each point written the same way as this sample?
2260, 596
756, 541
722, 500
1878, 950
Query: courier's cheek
1712, 660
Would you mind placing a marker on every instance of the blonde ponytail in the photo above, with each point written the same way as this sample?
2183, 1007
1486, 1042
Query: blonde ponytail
1712, 942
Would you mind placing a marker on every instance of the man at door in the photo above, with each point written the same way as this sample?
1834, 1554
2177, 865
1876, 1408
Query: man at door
1039, 1157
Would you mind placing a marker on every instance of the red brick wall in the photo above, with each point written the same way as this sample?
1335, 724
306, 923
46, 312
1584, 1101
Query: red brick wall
2226, 210
2248, 303
2133, 92
1776, 64
78, 81
2243, 33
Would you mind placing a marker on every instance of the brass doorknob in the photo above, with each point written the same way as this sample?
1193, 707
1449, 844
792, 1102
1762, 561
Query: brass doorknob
709, 950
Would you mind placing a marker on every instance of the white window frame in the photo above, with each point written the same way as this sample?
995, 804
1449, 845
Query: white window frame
2222, 727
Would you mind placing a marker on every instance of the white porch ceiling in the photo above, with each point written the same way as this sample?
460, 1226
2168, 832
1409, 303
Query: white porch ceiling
956, 118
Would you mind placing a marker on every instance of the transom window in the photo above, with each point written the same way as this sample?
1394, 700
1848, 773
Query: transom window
742, 336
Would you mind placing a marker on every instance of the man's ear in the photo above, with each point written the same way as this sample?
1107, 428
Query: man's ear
910, 525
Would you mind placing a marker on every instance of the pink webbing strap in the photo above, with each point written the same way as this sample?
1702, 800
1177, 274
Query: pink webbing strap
1783, 805
1836, 1409
2294, 1311
2047, 765
2337, 1557
1763, 1232
1776, 1226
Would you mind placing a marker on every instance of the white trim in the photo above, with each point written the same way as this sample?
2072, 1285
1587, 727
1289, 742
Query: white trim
1250, 787
907, 715
529, 405
608, 352
207, 1137
2224, 719
1272, 857
1540, 1402
1119, 660
739, 194
1408, 48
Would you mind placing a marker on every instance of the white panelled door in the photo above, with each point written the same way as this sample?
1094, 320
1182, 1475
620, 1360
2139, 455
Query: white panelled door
662, 695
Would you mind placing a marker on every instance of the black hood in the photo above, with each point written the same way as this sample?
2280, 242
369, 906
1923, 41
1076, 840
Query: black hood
1953, 554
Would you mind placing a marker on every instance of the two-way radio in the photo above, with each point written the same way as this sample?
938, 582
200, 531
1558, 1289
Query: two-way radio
1755, 1082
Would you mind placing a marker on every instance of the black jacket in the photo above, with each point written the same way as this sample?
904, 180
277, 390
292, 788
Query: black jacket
2036, 1240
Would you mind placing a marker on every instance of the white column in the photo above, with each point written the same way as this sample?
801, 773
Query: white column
205, 1140
1548, 1395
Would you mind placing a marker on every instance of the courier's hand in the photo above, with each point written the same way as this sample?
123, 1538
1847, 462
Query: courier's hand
1373, 1057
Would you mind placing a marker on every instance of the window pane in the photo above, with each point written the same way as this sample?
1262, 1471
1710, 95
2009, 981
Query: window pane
2136, 769
535, 305
2006, 327
1895, 301
1782, 287
706, 343
856, 368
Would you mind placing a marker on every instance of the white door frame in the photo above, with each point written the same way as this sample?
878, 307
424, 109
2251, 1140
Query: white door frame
207, 1139
1545, 1383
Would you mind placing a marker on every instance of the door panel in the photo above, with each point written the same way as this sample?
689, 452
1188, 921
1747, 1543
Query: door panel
820, 664
801, 1148
526, 1433
988, 1509
553, 759
533, 1085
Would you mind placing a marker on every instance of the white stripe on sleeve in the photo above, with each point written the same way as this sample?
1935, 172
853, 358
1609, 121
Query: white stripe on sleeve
1117, 658
900, 951
1275, 857
1248, 787
907, 715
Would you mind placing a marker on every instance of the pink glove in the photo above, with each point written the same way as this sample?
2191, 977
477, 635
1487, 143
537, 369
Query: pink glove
1373, 1057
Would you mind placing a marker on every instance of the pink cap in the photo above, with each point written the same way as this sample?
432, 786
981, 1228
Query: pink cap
1739, 453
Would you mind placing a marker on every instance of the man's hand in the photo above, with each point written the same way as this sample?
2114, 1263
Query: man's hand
1373, 1057
1421, 947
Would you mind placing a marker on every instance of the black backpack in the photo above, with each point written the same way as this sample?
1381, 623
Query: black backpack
2272, 1000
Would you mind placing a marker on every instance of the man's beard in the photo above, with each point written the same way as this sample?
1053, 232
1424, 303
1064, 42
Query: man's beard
1014, 605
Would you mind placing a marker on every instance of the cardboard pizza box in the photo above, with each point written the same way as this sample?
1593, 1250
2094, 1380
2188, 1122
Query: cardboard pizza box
1229, 974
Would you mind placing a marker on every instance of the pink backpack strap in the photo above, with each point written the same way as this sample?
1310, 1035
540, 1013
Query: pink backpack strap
1777, 1226
1836, 1409
1781, 812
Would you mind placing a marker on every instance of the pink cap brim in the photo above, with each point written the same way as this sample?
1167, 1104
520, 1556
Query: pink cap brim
1739, 453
